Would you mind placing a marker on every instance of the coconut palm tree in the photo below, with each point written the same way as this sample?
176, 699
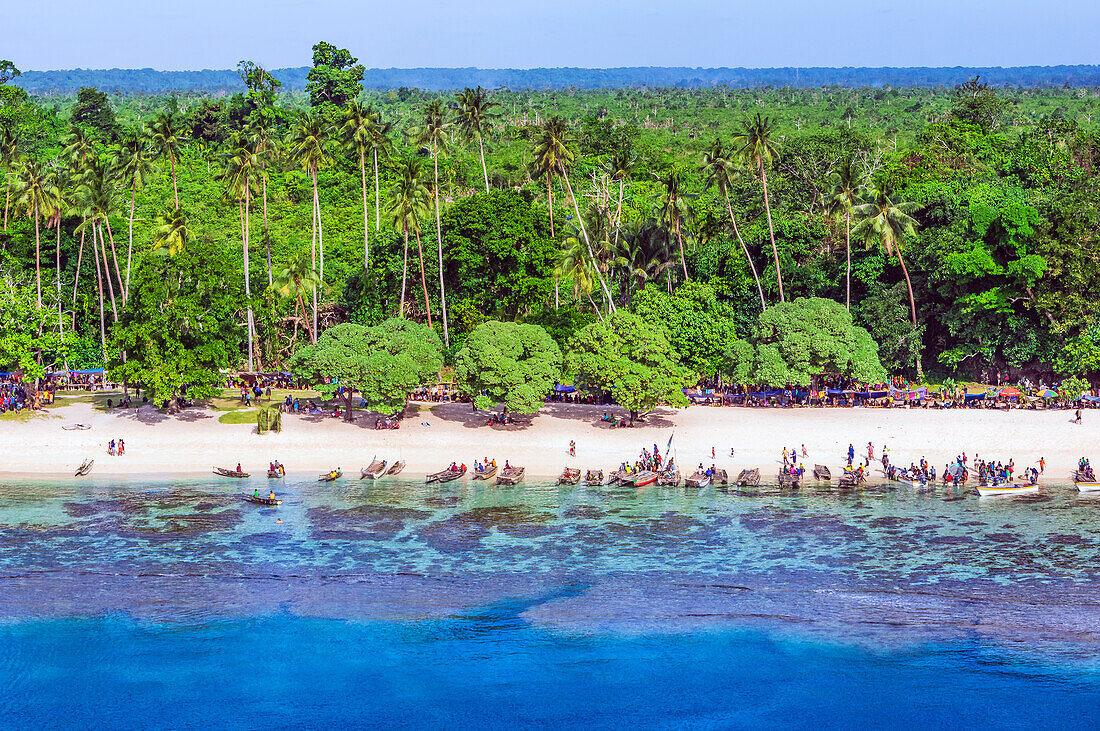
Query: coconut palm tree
718, 170
241, 165
882, 221
132, 163
672, 206
10, 154
381, 146
308, 146
35, 193
433, 134
848, 185
574, 265
266, 147
171, 234
474, 112
757, 148
410, 199
552, 153
166, 136
357, 135
97, 196
60, 181
294, 282
79, 148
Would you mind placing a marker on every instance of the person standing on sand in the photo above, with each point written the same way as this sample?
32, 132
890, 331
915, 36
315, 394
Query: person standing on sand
121, 446
572, 448
1042, 465
1077, 420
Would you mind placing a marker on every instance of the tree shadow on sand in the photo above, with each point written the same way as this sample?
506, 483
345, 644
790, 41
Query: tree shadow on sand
594, 413
470, 418
146, 414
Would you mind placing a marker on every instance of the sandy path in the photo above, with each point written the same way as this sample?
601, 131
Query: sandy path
195, 441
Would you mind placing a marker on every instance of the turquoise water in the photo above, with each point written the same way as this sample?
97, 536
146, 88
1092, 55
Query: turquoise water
394, 604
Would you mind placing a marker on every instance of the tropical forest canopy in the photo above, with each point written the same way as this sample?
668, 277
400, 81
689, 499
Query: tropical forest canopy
944, 229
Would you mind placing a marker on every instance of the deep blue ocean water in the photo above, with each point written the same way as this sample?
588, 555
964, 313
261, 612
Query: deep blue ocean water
130, 604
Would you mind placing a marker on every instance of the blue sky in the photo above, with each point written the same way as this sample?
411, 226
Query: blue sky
196, 34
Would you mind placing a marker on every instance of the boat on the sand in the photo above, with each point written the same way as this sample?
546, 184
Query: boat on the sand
511, 475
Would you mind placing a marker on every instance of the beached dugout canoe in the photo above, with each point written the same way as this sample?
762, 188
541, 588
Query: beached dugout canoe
511, 476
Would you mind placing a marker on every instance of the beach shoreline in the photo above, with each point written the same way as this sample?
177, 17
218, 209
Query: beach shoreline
194, 441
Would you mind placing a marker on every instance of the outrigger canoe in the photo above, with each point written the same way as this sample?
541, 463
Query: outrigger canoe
397, 467
230, 473
488, 473
749, 478
330, 476
447, 475
699, 479
374, 470
511, 476
569, 476
821, 472
669, 479
261, 500
593, 478
85, 467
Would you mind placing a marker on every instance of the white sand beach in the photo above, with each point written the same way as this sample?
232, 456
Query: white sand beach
194, 441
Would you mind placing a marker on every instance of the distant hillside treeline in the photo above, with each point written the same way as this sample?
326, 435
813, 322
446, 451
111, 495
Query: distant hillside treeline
207, 80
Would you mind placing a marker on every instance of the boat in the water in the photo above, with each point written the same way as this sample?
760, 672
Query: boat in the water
617, 476
447, 475
643, 478
275, 474
749, 478
699, 479
786, 479
511, 475
593, 478
1085, 480
488, 473
85, 467
396, 468
569, 476
849, 480
821, 472
330, 476
719, 477
374, 470
1007, 488
262, 500
230, 473
669, 479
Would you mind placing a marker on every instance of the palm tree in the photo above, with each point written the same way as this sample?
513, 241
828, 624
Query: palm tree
888, 223
10, 153
308, 141
266, 146
35, 193
551, 154
59, 207
848, 186
410, 199
132, 164
574, 265
79, 148
380, 146
433, 134
718, 169
474, 111
757, 149
294, 282
166, 136
358, 137
171, 235
241, 163
672, 206
97, 202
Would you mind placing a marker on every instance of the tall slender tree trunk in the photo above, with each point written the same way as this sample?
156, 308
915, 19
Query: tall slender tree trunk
550, 202
848, 246
7, 197
107, 273
313, 251
130, 245
439, 238
267, 237
37, 254
588, 244
305, 319
484, 170
377, 197
912, 305
57, 263
366, 243
114, 255
680, 239
320, 227
79, 257
423, 280
247, 290
175, 190
404, 270
771, 231
748, 258
99, 287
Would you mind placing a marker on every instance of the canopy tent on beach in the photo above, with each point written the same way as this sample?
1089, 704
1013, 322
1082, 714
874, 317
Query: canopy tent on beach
558, 388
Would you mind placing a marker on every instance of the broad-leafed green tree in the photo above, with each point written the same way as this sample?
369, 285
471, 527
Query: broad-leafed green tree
508, 362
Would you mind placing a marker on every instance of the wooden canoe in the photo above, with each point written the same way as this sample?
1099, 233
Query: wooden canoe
821, 472
330, 476
274, 474
486, 474
511, 476
699, 479
849, 480
646, 477
445, 476
1007, 489
229, 473
261, 500
786, 479
569, 476
616, 477
749, 478
669, 479
396, 468
85, 467
374, 470
593, 478
720, 478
